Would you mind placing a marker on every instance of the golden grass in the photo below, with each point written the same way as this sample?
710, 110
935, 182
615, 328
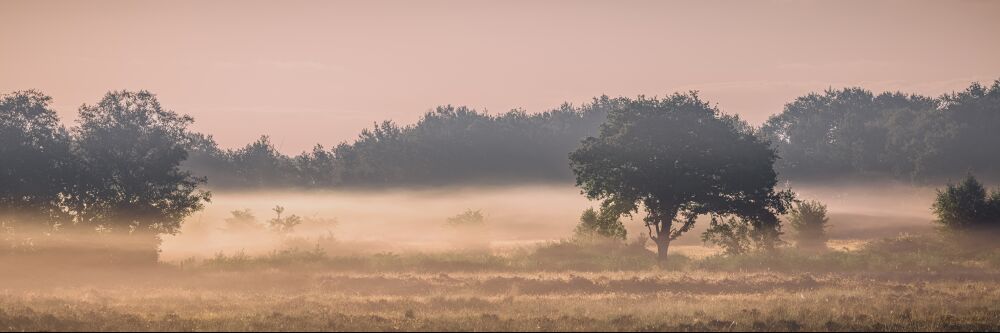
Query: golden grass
176, 300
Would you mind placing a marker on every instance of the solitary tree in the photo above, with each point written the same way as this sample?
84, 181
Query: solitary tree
968, 207
679, 158
808, 219
131, 149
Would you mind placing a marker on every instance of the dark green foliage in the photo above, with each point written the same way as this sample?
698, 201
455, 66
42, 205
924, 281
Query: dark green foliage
446, 146
808, 220
838, 133
36, 166
599, 224
118, 172
461, 145
679, 158
968, 207
259, 164
734, 236
855, 133
131, 150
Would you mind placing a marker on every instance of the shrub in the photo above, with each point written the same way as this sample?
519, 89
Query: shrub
242, 221
737, 236
467, 218
283, 225
596, 225
967, 207
732, 235
808, 219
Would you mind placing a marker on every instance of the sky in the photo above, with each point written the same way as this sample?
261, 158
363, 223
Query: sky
308, 72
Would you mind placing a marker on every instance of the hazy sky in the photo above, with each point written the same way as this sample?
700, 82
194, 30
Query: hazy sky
309, 72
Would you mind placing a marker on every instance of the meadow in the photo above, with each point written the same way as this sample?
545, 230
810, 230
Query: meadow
296, 294
892, 276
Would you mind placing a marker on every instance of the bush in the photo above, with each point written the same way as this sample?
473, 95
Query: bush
808, 219
595, 225
467, 219
284, 225
967, 207
732, 235
737, 236
242, 221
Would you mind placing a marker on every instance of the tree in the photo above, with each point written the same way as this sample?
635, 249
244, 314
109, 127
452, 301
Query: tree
808, 219
968, 143
283, 225
131, 149
36, 165
967, 207
315, 169
259, 164
679, 158
594, 224
853, 132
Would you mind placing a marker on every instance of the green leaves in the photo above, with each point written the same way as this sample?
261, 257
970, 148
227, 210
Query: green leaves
678, 158
968, 207
602, 224
131, 150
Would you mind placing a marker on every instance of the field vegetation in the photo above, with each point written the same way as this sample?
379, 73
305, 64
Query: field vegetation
682, 220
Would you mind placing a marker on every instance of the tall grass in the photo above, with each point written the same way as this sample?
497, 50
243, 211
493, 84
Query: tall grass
906, 253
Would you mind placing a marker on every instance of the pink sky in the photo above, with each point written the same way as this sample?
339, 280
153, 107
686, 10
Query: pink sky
308, 72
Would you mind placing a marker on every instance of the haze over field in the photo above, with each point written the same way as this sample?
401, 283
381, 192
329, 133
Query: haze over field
521, 216
499, 165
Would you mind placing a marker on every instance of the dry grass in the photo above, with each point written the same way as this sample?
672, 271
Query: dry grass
940, 290
176, 300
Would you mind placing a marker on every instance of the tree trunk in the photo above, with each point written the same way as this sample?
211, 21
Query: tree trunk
662, 245
662, 239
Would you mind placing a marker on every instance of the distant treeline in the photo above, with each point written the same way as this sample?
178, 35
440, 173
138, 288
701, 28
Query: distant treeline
846, 133
450, 145
855, 133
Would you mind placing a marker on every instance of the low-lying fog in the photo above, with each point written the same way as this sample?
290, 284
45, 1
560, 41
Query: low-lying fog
415, 220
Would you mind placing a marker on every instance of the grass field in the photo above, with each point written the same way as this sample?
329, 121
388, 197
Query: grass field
622, 301
415, 277
310, 291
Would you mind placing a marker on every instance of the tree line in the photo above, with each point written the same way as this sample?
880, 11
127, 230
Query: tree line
130, 166
855, 133
845, 133
449, 145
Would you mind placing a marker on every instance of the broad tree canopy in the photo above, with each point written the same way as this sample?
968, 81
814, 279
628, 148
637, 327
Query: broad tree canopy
132, 150
35, 164
678, 158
